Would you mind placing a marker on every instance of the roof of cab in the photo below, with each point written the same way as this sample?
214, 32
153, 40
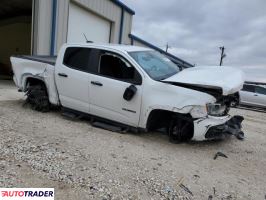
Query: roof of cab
119, 47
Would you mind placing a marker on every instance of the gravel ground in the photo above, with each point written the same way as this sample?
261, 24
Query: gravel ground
83, 162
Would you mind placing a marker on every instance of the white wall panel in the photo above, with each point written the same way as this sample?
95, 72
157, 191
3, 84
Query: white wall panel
82, 21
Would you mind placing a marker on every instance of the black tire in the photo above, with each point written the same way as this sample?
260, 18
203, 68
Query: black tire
37, 97
180, 129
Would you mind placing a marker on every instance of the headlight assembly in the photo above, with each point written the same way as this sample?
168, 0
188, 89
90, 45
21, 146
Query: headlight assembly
199, 111
216, 109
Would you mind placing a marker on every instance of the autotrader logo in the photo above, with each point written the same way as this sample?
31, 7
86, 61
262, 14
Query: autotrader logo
26, 193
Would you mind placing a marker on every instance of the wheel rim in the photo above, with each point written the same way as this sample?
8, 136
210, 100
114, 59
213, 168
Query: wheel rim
180, 130
175, 132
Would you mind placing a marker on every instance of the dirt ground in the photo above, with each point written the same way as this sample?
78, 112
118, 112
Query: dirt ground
83, 162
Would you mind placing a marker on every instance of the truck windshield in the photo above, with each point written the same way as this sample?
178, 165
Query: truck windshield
157, 66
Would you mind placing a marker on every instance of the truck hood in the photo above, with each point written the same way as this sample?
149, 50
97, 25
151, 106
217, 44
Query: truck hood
228, 79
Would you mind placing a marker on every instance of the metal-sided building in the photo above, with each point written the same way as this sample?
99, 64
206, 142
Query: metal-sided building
42, 26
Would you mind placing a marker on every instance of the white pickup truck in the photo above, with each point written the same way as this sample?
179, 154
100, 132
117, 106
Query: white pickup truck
133, 87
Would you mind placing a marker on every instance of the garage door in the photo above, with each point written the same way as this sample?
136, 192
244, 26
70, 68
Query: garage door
82, 21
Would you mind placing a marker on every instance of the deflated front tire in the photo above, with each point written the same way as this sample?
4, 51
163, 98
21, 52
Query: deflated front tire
180, 129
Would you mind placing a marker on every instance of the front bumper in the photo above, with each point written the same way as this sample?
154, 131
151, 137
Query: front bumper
210, 128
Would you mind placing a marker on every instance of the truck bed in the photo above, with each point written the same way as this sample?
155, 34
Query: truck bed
44, 59
37, 67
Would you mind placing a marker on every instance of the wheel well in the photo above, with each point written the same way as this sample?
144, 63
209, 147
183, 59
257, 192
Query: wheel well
162, 119
159, 119
37, 94
34, 81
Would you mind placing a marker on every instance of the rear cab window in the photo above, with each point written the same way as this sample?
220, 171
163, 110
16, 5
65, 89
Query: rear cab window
81, 59
248, 88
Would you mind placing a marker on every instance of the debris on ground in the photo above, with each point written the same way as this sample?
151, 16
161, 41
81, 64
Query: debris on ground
240, 135
210, 197
186, 189
214, 191
181, 185
219, 154
196, 176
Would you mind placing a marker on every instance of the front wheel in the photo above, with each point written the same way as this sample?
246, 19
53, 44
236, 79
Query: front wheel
180, 129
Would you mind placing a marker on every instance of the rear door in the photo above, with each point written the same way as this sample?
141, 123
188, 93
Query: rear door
115, 74
72, 78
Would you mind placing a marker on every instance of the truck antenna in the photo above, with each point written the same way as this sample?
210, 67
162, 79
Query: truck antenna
87, 41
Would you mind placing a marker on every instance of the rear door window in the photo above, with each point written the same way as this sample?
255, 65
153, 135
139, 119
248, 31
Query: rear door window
248, 88
79, 58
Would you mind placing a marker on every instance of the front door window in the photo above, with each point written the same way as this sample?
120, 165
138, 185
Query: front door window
114, 66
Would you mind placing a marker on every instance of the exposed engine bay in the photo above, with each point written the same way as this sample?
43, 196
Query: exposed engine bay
223, 102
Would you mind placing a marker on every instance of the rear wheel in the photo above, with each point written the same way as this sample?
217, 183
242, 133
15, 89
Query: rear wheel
37, 97
180, 129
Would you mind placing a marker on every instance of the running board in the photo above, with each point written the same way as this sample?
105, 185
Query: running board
106, 126
71, 115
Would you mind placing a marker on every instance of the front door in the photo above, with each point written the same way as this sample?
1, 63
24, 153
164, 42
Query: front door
108, 86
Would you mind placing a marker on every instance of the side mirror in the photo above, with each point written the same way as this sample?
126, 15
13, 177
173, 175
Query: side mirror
130, 92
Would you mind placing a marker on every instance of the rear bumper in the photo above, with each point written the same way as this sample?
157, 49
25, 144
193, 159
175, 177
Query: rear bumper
15, 80
16, 83
211, 128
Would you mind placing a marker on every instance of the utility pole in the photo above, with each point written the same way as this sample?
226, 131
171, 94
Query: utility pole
167, 47
223, 55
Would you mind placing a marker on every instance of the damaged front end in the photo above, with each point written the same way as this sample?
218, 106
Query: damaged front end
223, 104
221, 108
218, 123
231, 127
